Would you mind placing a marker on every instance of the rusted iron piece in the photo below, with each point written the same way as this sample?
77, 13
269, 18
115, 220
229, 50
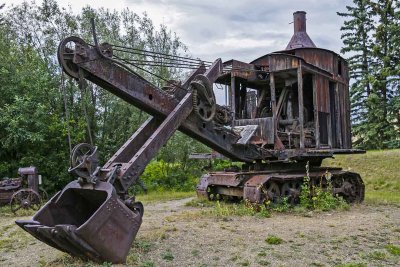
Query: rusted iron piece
300, 37
292, 107
261, 186
91, 218
144, 95
153, 134
25, 199
86, 222
22, 193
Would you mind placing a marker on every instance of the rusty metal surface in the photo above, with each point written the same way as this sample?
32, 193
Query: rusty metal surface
86, 223
321, 58
21, 193
139, 92
224, 178
7, 188
134, 143
27, 170
241, 69
300, 37
322, 89
256, 185
279, 62
292, 106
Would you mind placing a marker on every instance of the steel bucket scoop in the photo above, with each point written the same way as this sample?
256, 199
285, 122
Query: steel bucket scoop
87, 219
88, 223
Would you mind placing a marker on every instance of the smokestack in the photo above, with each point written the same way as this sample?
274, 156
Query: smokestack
300, 37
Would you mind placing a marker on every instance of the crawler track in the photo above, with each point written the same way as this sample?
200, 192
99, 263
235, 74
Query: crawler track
258, 187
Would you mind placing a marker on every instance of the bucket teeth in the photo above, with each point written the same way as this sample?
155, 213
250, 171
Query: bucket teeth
61, 237
21, 223
31, 227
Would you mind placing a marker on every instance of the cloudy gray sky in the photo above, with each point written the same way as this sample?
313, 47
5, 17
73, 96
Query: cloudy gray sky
238, 29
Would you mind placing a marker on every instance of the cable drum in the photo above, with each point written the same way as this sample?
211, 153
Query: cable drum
223, 115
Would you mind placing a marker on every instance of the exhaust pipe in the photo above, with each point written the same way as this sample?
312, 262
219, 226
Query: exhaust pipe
300, 37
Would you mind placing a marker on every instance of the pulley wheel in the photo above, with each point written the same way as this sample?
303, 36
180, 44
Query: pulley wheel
83, 160
79, 155
106, 50
66, 53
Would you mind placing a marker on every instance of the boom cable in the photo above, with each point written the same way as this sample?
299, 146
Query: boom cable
159, 53
147, 71
141, 58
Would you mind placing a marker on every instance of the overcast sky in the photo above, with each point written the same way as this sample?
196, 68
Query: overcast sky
243, 30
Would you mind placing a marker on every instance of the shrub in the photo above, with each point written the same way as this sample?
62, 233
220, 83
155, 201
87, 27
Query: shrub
273, 240
160, 175
318, 198
168, 256
395, 250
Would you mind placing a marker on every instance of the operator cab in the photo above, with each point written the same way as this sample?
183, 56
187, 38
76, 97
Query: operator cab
297, 98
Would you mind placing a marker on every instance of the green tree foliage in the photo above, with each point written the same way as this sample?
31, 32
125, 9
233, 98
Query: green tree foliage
1, 17
357, 40
386, 76
43, 112
30, 129
371, 36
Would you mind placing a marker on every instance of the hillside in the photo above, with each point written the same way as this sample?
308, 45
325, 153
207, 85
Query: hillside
380, 171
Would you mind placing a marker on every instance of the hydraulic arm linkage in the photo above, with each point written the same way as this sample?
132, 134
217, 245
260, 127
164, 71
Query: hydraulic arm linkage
93, 217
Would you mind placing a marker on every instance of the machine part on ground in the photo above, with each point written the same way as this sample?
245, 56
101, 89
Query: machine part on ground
90, 223
271, 185
8, 186
286, 110
24, 192
25, 199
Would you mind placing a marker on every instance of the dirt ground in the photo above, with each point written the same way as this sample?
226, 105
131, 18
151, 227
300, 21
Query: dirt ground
173, 234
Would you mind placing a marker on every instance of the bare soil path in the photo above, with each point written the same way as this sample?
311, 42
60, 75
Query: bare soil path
173, 234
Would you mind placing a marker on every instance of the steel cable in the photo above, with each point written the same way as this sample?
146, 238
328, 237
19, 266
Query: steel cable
171, 61
159, 53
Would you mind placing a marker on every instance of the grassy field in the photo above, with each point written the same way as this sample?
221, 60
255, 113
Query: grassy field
157, 196
180, 231
380, 171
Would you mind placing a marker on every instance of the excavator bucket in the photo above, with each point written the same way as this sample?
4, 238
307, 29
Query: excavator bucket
88, 221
